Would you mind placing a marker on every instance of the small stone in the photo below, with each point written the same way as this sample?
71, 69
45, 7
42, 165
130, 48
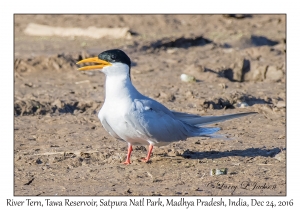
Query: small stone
280, 156
281, 104
274, 74
38, 161
187, 78
216, 172
267, 99
222, 85
259, 73
33, 138
55, 65
57, 103
242, 104
29, 84
236, 73
171, 50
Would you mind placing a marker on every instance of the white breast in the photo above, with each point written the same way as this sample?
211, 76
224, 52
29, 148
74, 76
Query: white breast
119, 95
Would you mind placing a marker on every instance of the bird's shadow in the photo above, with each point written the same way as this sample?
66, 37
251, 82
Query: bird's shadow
250, 152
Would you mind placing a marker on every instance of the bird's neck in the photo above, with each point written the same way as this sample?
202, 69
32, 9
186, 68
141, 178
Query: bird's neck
119, 87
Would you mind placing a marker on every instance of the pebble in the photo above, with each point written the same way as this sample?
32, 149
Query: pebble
33, 138
187, 78
282, 95
28, 84
57, 103
171, 50
280, 104
241, 104
221, 171
55, 65
280, 156
222, 85
83, 81
274, 74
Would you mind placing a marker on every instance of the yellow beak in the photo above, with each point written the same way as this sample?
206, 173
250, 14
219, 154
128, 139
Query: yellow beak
102, 63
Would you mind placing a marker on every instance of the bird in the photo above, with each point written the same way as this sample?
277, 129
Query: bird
128, 115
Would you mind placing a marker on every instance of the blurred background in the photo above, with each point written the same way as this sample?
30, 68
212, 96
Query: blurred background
228, 30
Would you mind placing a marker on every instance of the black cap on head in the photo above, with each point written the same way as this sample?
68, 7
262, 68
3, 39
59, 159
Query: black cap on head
114, 56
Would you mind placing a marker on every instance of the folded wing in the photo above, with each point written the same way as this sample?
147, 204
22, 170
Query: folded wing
197, 120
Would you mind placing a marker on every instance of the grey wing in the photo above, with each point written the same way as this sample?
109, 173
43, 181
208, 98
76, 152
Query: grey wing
159, 124
205, 120
156, 122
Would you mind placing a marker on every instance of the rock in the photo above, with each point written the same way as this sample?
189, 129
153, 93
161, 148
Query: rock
238, 70
280, 156
29, 84
280, 104
257, 73
242, 104
38, 161
171, 50
216, 172
274, 74
57, 103
267, 99
55, 65
282, 95
222, 85
187, 78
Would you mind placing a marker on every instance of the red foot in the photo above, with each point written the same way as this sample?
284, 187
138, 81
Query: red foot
127, 162
146, 159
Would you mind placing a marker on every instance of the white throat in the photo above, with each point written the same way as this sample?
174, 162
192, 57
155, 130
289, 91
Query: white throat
118, 84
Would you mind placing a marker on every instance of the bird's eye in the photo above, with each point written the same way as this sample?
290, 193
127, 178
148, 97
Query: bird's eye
113, 57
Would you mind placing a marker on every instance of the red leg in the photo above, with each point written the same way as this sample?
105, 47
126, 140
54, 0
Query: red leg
148, 155
127, 162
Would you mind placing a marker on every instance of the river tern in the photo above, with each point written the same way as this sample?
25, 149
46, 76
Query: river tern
138, 120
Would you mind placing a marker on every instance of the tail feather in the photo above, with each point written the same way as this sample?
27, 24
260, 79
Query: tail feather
197, 120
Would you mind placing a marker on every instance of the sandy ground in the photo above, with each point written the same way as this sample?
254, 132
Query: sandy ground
61, 148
